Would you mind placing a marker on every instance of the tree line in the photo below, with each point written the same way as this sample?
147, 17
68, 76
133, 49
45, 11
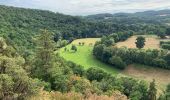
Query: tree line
121, 57
19, 26
165, 44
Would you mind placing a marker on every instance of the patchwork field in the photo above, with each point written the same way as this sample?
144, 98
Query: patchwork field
152, 42
84, 57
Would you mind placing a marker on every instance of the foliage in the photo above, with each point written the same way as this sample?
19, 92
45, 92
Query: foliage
140, 42
117, 61
152, 91
19, 26
120, 57
166, 94
95, 74
14, 80
165, 44
74, 48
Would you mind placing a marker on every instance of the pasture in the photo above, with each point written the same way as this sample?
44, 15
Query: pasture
152, 42
147, 73
84, 57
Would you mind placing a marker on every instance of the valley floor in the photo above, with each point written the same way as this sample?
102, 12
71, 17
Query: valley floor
148, 73
84, 57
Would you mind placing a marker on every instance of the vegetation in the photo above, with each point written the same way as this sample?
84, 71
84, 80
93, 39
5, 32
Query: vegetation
152, 42
19, 26
165, 44
152, 91
25, 71
15, 82
150, 57
84, 56
140, 42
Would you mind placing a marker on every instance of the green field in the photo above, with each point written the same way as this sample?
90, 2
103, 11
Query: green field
84, 57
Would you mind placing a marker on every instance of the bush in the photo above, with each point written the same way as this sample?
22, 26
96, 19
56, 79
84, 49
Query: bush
96, 74
117, 62
166, 46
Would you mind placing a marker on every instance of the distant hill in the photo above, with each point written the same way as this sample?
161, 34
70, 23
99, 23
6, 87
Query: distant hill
19, 25
161, 14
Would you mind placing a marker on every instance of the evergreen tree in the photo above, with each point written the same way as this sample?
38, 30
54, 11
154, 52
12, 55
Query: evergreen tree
140, 42
152, 91
44, 55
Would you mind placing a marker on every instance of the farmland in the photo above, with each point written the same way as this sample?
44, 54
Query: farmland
152, 42
84, 57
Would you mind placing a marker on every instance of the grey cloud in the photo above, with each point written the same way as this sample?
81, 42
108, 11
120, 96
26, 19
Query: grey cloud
85, 7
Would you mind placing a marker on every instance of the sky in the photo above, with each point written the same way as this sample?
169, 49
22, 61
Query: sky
88, 7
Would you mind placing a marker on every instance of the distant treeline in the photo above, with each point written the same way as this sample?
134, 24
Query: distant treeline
20, 26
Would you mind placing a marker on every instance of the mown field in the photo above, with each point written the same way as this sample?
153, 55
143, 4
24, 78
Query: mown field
84, 55
85, 58
152, 42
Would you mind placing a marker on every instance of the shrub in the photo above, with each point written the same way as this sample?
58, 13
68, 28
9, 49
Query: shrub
117, 62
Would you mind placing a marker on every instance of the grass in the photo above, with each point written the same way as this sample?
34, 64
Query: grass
84, 56
152, 42
148, 73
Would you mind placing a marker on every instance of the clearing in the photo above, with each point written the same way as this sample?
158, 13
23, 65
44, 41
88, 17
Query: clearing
84, 55
85, 58
152, 42
147, 73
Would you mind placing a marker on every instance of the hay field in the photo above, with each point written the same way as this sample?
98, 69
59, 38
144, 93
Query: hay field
152, 42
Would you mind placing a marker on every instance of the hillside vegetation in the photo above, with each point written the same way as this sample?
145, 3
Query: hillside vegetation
20, 25
32, 42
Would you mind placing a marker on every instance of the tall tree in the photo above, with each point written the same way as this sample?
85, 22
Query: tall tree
152, 91
140, 42
45, 54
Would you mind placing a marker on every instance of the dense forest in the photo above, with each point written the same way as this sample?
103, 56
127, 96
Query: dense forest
29, 61
19, 25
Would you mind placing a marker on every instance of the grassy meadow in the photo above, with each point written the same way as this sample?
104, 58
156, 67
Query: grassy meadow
84, 57
152, 42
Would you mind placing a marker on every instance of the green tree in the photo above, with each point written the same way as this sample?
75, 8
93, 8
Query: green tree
140, 42
74, 48
44, 59
95, 74
14, 80
166, 94
152, 91
117, 62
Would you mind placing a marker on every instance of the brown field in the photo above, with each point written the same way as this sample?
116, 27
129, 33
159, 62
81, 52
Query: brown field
152, 42
147, 73
87, 41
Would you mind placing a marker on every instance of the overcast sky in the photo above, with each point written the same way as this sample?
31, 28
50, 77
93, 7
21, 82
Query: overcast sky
87, 7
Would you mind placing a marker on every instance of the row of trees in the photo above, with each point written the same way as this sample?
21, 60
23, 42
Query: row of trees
165, 44
120, 57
